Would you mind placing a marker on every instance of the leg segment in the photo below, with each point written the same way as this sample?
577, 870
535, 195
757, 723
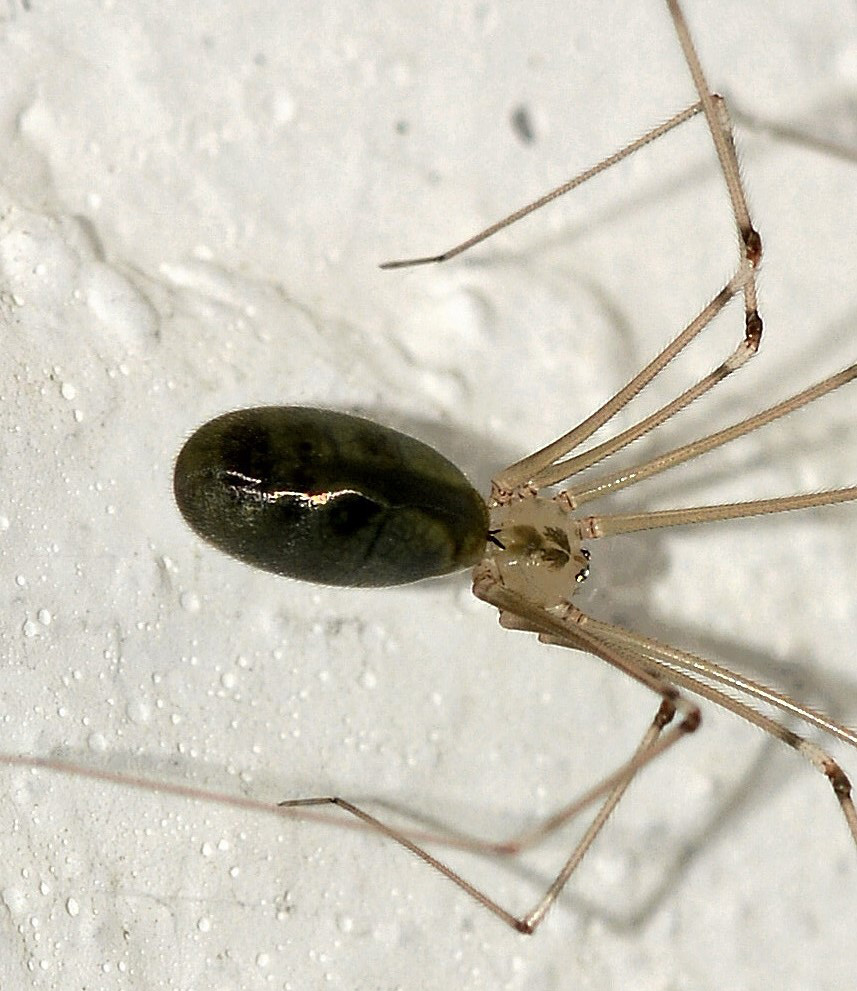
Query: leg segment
604, 484
544, 467
720, 128
591, 527
673, 664
561, 190
516, 612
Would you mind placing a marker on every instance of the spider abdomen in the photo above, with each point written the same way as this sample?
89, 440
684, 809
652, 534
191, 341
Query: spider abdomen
327, 497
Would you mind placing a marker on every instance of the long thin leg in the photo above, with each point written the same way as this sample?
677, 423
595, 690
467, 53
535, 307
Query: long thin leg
615, 786
654, 743
590, 527
539, 470
689, 671
670, 658
664, 660
517, 612
557, 471
427, 830
561, 190
604, 484
720, 128
536, 469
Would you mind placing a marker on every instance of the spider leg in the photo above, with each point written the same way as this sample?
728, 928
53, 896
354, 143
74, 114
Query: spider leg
613, 481
566, 187
590, 527
514, 610
539, 469
544, 467
652, 745
673, 665
720, 128
518, 613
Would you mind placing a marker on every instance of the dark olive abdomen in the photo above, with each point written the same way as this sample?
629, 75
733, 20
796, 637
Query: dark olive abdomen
328, 498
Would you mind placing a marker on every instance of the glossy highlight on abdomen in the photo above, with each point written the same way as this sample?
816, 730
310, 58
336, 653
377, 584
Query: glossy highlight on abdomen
327, 497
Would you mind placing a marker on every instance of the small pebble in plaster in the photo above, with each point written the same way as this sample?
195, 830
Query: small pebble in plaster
454, 318
283, 108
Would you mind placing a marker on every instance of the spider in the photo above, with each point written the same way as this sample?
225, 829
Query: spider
541, 559
337, 499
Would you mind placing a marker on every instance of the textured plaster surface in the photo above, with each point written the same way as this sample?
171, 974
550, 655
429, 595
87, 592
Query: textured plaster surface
193, 200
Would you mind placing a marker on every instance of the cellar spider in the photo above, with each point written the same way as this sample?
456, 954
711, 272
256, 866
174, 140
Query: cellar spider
336, 499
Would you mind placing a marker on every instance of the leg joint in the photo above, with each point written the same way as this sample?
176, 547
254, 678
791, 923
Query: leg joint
753, 330
838, 779
752, 245
664, 715
692, 721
